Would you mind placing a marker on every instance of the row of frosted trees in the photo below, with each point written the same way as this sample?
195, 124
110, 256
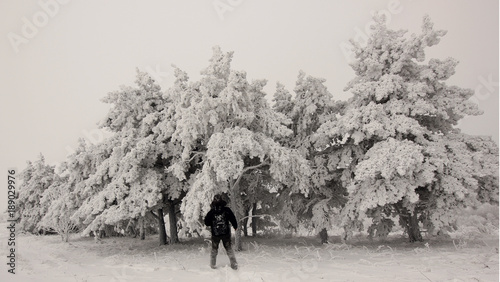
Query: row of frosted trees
392, 151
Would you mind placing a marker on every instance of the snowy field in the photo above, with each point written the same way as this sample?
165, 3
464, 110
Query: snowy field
46, 258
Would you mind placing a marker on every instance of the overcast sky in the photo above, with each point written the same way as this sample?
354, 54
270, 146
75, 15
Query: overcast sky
58, 59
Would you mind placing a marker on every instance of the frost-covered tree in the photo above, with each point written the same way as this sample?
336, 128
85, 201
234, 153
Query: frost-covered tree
312, 106
68, 191
36, 178
58, 198
226, 125
466, 176
397, 143
136, 166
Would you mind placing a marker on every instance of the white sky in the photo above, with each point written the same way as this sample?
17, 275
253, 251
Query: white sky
81, 50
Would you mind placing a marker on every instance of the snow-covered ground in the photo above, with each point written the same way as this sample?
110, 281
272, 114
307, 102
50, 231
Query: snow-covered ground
47, 258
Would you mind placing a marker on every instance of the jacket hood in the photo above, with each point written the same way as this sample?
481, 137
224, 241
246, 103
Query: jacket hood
218, 203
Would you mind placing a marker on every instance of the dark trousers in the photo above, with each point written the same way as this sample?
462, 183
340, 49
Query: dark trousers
226, 242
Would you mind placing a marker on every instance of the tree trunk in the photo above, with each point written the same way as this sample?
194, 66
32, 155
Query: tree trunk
131, 228
254, 220
161, 225
410, 222
142, 233
245, 229
172, 219
323, 235
235, 199
237, 240
245, 223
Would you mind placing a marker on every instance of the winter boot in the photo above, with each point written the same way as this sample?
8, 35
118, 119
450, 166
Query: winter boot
232, 259
213, 259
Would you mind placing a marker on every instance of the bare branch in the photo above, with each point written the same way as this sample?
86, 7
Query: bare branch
258, 215
245, 170
154, 215
196, 154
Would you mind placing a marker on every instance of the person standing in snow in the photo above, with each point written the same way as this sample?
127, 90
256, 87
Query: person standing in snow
218, 218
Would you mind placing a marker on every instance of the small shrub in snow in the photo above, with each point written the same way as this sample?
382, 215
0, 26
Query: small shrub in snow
473, 224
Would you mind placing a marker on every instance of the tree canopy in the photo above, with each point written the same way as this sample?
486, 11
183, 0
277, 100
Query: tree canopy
390, 152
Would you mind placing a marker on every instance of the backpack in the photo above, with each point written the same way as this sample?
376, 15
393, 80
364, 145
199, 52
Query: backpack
220, 224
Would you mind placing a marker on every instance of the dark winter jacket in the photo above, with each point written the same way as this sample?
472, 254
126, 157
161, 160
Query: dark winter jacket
219, 208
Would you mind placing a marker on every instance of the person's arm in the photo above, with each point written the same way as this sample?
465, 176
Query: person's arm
208, 219
232, 218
